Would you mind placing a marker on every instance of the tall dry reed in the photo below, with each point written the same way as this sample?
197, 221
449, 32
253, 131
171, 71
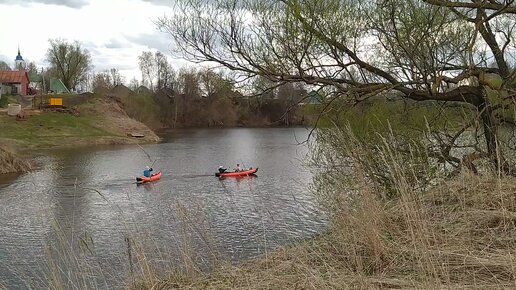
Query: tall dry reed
396, 222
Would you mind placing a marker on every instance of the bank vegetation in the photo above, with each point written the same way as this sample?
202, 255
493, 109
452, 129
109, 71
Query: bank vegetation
13, 163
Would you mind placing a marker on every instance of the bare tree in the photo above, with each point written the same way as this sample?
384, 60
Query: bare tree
147, 65
116, 77
102, 81
160, 61
418, 49
31, 67
134, 84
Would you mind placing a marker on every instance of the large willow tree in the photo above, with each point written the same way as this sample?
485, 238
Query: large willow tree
451, 51
68, 61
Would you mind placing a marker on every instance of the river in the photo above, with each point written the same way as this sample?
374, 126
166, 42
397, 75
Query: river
80, 218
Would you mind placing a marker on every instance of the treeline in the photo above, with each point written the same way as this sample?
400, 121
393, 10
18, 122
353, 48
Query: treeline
186, 97
204, 97
193, 97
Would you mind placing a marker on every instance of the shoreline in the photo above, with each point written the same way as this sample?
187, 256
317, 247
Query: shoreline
23, 158
23, 150
100, 122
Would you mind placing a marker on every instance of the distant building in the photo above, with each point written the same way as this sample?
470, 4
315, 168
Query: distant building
14, 82
143, 90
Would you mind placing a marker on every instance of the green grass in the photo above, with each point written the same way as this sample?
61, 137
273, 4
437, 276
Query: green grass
49, 128
7, 99
380, 115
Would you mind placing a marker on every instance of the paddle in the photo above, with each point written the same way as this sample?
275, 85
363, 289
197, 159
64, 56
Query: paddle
138, 179
148, 155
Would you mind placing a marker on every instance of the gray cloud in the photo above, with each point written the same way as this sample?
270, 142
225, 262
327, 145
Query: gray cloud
103, 63
156, 40
105, 59
115, 43
160, 2
67, 3
162, 42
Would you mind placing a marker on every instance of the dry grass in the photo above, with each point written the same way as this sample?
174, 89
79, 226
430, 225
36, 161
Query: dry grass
457, 234
113, 119
11, 163
460, 234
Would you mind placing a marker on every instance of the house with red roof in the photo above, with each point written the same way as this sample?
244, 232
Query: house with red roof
14, 82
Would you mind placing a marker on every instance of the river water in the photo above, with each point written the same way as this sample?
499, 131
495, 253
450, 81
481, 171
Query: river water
81, 221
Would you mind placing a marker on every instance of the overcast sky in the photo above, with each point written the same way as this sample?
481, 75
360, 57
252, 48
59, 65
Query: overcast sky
114, 31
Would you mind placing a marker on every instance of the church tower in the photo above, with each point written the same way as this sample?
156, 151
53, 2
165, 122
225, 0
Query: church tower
19, 62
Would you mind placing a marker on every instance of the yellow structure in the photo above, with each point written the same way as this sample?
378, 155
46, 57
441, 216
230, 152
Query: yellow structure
56, 101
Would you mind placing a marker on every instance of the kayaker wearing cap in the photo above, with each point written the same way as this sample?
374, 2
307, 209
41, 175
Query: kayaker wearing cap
147, 171
238, 168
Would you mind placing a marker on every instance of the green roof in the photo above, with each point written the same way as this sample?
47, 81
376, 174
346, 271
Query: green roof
57, 86
314, 98
34, 77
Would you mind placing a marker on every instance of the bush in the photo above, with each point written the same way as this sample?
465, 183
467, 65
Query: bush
7, 99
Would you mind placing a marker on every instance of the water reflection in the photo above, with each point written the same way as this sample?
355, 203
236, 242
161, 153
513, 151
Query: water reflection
89, 195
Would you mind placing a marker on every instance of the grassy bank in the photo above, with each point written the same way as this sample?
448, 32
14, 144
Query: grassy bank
99, 122
49, 129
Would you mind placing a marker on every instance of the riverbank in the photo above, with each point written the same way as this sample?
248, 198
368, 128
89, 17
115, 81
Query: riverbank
99, 122
459, 234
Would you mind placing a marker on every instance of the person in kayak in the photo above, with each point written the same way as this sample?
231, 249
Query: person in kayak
238, 168
222, 169
147, 171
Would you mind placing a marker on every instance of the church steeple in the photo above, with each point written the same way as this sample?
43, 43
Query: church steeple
19, 62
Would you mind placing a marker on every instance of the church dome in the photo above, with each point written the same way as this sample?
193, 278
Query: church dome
19, 57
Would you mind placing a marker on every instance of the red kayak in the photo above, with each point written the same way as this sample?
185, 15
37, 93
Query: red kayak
250, 171
153, 177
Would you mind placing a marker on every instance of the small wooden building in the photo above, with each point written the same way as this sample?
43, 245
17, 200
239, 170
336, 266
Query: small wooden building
14, 82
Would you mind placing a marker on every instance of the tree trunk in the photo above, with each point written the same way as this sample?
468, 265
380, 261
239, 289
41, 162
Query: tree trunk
477, 97
491, 136
175, 116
